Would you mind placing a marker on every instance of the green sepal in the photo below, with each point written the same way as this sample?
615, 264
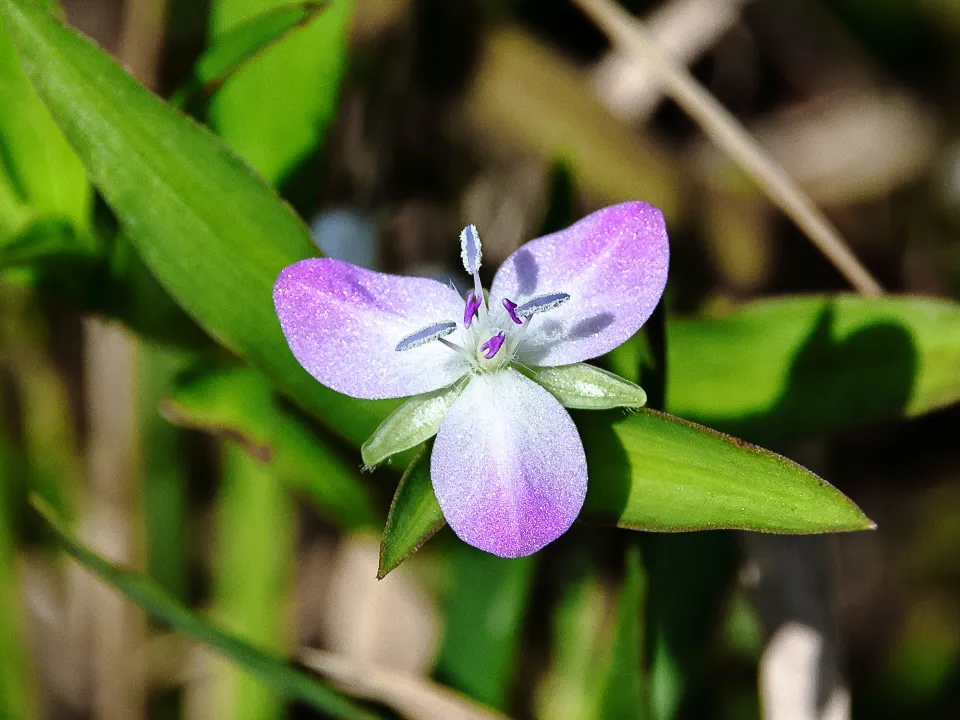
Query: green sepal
414, 422
587, 387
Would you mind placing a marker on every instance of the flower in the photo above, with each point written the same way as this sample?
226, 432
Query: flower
491, 377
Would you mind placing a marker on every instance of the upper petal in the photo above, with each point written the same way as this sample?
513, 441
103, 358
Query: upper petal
613, 264
343, 323
508, 467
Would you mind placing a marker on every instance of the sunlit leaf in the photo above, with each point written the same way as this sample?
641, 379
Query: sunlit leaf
274, 671
652, 471
45, 172
208, 228
780, 370
274, 110
233, 49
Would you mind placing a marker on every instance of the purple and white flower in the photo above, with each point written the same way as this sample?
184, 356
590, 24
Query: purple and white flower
491, 375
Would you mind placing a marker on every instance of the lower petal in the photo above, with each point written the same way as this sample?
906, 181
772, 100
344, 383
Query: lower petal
508, 467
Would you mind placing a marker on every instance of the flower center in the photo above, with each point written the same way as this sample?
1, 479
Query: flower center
492, 347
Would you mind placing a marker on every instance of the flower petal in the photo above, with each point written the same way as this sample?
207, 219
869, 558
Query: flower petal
612, 263
508, 467
343, 323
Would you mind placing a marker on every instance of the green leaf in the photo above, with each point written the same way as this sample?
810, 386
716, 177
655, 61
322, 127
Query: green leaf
569, 688
781, 370
239, 403
690, 577
587, 387
17, 691
46, 173
652, 471
253, 579
414, 517
209, 229
41, 240
275, 671
414, 422
164, 469
236, 47
275, 109
485, 612
621, 693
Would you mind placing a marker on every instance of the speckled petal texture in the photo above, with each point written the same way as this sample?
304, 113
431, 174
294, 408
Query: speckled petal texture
508, 467
613, 264
343, 324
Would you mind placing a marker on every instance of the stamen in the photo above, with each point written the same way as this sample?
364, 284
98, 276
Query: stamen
427, 334
470, 250
493, 345
458, 349
511, 307
541, 303
470, 310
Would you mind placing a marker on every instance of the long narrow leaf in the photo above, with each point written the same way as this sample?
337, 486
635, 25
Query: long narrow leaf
231, 51
209, 229
275, 109
277, 672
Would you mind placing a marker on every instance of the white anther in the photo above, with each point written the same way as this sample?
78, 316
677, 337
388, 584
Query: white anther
427, 334
540, 304
470, 250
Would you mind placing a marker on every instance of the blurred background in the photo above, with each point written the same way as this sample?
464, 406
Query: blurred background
389, 125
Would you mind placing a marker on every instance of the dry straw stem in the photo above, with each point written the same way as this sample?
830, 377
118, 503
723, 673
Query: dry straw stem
412, 697
626, 31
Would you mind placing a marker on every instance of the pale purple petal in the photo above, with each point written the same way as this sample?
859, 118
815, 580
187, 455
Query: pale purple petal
343, 324
508, 467
613, 264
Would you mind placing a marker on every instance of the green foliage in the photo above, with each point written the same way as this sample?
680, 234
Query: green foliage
239, 404
587, 387
485, 611
209, 229
689, 576
203, 235
233, 49
621, 693
652, 471
274, 110
253, 579
164, 472
414, 517
17, 691
411, 424
42, 170
781, 370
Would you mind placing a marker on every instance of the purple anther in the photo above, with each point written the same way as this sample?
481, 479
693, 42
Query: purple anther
511, 308
471, 308
493, 345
